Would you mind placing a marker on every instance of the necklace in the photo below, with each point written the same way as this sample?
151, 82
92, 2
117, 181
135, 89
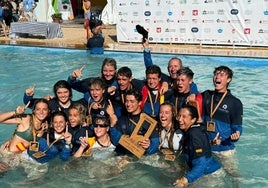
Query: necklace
105, 145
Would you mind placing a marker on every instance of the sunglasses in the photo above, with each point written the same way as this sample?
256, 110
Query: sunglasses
99, 125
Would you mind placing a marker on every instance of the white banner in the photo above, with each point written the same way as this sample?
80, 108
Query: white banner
217, 22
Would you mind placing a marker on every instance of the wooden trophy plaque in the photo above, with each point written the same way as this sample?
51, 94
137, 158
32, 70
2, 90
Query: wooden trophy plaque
131, 143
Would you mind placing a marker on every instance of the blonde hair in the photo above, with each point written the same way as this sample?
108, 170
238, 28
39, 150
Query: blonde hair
81, 110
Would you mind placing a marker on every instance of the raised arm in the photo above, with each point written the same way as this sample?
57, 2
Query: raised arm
147, 54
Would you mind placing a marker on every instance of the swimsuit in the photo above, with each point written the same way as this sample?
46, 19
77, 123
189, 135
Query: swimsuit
27, 134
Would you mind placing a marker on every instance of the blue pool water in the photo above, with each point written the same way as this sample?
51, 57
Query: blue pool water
22, 67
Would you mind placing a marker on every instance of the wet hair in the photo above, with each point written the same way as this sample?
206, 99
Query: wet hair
174, 124
62, 84
153, 69
173, 109
81, 110
103, 118
97, 82
175, 58
124, 71
41, 100
192, 111
225, 69
186, 71
59, 113
110, 62
135, 93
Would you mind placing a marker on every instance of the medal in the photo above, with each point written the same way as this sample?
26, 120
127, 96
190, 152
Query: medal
211, 126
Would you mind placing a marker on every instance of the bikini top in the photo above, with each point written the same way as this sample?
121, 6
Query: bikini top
27, 134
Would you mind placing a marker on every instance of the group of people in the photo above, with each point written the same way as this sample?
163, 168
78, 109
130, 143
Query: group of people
14, 11
200, 126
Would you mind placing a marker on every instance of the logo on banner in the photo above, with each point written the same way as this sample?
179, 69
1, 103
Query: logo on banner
220, 30
133, 3
234, 11
208, 1
247, 21
158, 30
194, 29
122, 4
220, 12
247, 31
147, 13
195, 12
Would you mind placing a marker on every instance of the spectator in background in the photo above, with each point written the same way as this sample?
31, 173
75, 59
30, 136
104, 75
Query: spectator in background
87, 15
96, 42
7, 13
27, 13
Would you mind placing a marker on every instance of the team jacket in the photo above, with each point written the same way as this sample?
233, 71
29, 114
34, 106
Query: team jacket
228, 118
197, 153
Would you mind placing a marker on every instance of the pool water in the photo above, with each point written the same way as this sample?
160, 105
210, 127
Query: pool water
22, 67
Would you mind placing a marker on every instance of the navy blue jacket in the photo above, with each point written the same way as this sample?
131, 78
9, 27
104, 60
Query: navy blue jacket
197, 153
228, 118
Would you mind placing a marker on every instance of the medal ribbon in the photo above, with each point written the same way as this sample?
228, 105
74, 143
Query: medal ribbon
212, 111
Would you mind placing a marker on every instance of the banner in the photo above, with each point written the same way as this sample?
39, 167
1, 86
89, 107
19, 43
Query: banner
215, 22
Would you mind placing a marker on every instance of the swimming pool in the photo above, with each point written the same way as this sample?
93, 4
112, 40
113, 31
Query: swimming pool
22, 67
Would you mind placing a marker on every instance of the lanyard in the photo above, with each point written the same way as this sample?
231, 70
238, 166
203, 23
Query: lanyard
151, 101
212, 111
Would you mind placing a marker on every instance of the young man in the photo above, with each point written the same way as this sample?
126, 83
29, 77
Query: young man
126, 124
151, 92
222, 111
181, 93
222, 115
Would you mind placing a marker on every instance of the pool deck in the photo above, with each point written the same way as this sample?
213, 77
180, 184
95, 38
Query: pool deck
76, 41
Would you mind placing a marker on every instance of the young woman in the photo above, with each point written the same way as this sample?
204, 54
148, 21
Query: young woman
77, 125
196, 147
28, 125
170, 135
57, 141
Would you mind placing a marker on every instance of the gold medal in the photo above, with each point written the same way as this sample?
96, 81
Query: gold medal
211, 126
34, 146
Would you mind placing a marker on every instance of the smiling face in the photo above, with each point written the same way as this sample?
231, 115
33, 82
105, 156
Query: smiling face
41, 111
99, 130
132, 105
183, 83
96, 92
152, 80
63, 95
166, 116
185, 119
221, 81
108, 72
59, 124
74, 117
173, 66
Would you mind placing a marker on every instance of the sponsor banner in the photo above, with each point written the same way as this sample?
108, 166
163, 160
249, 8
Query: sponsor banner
217, 22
